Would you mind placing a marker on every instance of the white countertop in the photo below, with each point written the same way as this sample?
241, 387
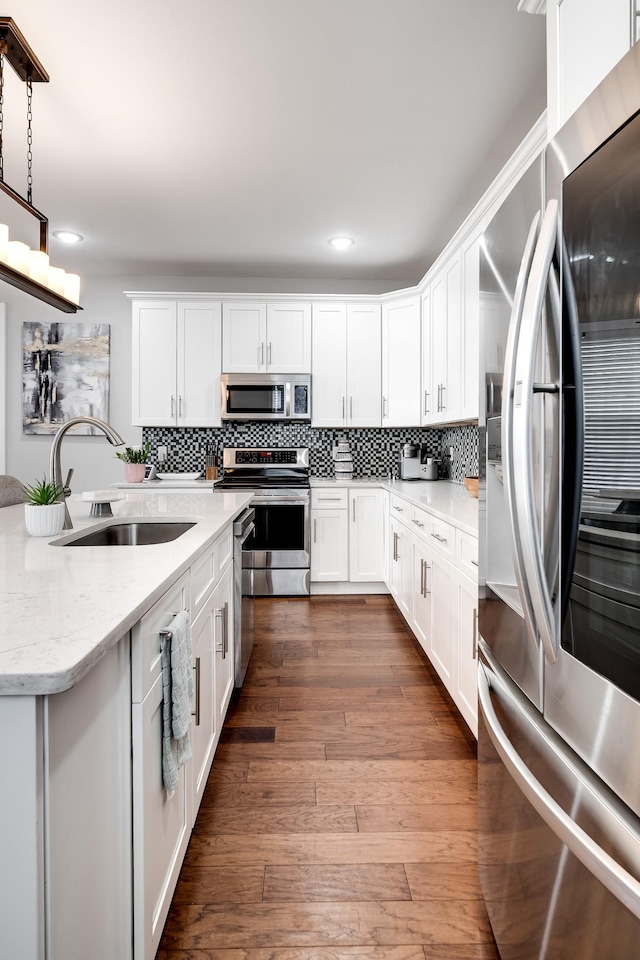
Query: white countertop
157, 486
62, 608
447, 501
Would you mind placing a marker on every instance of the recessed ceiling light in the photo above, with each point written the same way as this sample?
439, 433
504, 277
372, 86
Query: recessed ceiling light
67, 236
341, 243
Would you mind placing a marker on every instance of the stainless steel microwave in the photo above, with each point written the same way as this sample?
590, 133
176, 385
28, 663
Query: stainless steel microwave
266, 396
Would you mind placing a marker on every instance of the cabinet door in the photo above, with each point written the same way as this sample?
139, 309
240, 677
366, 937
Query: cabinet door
450, 397
427, 365
329, 545
204, 733
161, 826
466, 673
199, 363
288, 345
401, 363
366, 536
244, 336
400, 567
329, 365
421, 618
440, 585
224, 648
470, 332
153, 364
364, 365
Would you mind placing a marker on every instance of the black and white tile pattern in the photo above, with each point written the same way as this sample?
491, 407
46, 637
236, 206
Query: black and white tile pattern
375, 452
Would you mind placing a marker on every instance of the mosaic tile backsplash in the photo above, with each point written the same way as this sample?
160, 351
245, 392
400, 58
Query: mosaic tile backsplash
375, 452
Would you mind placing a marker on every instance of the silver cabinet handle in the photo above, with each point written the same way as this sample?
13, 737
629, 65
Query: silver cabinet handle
426, 401
385, 413
261, 361
436, 536
354, 509
218, 614
421, 577
180, 405
225, 631
443, 405
315, 530
618, 881
399, 509
196, 713
427, 566
475, 563
395, 545
418, 523
173, 406
344, 409
269, 354
327, 499
475, 634
541, 278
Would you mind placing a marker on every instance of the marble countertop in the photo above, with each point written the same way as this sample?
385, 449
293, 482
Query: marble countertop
447, 501
62, 608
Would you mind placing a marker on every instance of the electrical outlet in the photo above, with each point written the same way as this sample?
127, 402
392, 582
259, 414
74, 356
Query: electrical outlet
162, 454
451, 452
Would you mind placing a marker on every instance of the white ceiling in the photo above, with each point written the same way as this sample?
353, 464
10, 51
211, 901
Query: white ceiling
235, 137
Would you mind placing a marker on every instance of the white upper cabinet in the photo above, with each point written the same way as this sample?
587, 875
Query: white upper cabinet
176, 363
585, 40
450, 338
346, 366
401, 362
266, 337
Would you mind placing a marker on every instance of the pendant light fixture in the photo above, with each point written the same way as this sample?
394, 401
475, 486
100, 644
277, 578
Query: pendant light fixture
29, 270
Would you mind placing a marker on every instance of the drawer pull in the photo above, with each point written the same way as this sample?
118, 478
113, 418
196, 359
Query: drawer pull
475, 563
399, 509
196, 713
418, 523
326, 499
436, 536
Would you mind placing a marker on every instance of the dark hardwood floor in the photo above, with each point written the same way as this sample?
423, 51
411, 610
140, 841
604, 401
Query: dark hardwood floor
339, 820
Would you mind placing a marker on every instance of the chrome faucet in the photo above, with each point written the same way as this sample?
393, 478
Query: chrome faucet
55, 469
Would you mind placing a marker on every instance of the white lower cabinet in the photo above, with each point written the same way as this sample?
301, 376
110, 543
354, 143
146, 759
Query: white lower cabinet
433, 582
347, 535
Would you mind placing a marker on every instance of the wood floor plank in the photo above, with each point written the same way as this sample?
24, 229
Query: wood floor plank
273, 751
440, 881
239, 795
315, 882
378, 749
361, 699
395, 792
296, 770
289, 818
335, 923
381, 818
240, 883
443, 846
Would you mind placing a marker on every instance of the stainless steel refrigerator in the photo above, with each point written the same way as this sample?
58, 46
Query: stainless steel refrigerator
559, 612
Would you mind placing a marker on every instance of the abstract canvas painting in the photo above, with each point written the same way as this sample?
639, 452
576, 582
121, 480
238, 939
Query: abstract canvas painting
65, 374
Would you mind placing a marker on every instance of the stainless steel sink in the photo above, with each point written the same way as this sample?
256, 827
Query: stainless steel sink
127, 533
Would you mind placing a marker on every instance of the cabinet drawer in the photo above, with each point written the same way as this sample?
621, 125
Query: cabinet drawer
421, 521
442, 537
467, 553
332, 499
145, 638
400, 509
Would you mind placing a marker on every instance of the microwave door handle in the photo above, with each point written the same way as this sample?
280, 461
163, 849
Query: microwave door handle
513, 340
287, 400
522, 425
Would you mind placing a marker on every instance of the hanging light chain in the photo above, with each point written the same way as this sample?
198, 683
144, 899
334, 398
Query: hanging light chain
29, 141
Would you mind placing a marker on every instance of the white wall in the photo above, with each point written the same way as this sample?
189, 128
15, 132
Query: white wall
103, 301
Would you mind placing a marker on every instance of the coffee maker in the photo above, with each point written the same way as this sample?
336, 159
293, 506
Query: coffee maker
409, 466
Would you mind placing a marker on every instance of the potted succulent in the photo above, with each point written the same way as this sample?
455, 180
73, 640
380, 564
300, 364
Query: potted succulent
134, 459
44, 509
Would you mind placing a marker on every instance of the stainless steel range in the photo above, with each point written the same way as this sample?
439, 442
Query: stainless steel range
276, 557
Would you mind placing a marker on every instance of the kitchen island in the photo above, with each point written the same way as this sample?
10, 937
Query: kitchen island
92, 843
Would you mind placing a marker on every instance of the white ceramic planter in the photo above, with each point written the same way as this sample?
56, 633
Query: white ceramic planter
44, 520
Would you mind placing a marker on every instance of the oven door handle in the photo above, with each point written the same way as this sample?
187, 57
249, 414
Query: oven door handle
279, 501
247, 533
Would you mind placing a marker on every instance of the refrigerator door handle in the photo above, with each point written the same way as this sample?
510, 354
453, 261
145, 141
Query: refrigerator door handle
522, 452
513, 338
618, 881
